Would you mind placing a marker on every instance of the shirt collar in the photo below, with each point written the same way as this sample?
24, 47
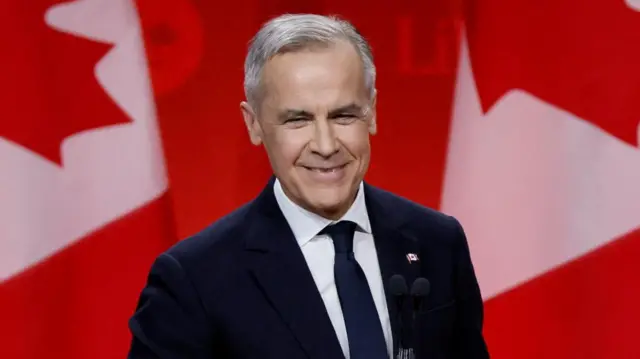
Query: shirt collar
306, 225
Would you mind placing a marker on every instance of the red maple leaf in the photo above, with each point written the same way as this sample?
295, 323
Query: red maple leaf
582, 56
48, 89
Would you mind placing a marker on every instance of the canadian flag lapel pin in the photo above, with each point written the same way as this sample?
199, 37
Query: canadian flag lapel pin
412, 257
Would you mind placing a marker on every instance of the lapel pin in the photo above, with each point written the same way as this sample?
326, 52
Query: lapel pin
412, 257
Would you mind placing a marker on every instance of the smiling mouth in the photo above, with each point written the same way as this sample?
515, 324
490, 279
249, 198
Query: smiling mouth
325, 169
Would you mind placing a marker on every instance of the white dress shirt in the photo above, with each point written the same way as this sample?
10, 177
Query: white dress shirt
319, 253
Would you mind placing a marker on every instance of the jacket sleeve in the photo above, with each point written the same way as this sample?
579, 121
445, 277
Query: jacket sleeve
469, 342
170, 321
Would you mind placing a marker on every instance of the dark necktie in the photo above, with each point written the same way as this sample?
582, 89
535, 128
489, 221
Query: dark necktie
366, 338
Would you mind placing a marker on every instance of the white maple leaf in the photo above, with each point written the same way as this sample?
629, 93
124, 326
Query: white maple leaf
108, 172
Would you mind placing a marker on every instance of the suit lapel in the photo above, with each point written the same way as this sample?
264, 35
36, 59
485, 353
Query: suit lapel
392, 246
280, 270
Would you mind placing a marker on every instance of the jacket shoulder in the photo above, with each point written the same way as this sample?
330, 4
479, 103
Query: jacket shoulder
215, 243
416, 217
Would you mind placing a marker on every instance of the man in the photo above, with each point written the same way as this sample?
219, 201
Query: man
303, 270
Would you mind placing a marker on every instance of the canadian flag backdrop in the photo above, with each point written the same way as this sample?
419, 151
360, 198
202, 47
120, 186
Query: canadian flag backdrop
121, 133
83, 185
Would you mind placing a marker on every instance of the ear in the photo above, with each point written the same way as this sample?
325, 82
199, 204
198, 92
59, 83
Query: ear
251, 121
373, 117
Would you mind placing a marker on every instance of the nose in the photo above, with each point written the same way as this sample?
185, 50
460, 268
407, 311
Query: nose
324, 142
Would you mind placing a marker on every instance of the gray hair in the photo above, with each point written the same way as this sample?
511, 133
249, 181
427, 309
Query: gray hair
293, 32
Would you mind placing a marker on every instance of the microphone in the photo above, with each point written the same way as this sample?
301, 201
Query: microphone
419, 291
399, 290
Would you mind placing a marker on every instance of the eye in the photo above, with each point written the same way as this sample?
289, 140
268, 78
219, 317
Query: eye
296, 122
345, 118
295, 119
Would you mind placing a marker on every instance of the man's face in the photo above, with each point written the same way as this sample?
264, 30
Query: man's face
314, 120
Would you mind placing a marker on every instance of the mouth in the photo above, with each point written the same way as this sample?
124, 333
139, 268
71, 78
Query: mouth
325, 169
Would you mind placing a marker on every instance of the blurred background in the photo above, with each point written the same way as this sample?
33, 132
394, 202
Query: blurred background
121, 134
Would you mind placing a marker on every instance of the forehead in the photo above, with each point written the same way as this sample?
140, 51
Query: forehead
319, 76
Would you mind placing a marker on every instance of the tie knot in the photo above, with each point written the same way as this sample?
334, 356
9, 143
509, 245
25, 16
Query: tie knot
342, 235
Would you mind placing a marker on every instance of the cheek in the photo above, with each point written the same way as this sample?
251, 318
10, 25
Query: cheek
356, 140
290, 145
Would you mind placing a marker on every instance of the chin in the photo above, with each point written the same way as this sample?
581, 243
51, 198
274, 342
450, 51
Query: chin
330, 202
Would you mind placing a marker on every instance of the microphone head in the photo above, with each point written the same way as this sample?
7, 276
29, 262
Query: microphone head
420, 287
398, 285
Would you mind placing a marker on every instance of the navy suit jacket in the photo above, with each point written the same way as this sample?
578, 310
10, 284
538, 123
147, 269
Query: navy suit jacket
241, 288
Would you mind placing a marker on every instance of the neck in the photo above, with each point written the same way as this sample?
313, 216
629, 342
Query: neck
331, 213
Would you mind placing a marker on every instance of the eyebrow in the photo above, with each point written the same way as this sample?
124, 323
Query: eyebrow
350, 108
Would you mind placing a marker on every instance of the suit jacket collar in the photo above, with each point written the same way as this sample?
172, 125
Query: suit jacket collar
280, 270
394, 243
